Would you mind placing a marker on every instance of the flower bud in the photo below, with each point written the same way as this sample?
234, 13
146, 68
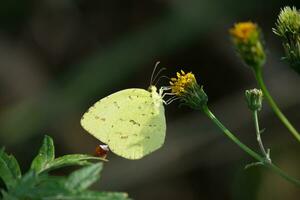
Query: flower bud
246, 37
288, 29
254, 99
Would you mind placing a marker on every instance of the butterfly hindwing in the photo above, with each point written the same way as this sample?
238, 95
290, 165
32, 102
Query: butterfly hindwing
130, 121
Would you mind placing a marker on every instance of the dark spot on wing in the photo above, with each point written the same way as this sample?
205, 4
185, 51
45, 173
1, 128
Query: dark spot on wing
96, 117
143, 114
124, 136
134, 122
116, 104
139, 107
103, 119
130, 97
147, 137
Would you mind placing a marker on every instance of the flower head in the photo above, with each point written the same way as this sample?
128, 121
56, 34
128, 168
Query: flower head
243, 31
183, 81
288, 29
254, 99
246, 37
185, 87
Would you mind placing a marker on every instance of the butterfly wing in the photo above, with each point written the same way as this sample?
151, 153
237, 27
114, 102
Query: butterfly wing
130, 121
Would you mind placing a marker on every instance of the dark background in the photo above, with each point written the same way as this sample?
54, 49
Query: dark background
57, 57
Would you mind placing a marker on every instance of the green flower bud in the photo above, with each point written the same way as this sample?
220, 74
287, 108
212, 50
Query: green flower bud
246, 37
288, 29
254, 99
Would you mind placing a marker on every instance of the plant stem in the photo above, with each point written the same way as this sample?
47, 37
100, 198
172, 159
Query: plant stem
275, 108
258, 137
249, 151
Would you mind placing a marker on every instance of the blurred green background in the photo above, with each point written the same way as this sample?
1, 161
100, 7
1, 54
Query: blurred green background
57, 57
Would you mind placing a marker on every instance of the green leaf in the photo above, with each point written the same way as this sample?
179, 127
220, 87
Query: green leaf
9, 169
6, 175
84, 177
89, 195
45, 156
45, 161
45, 186
71, 159
13, 164
24, 185
35, 187
7, 196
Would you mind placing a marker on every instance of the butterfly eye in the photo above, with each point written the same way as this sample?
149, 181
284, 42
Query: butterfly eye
101, 150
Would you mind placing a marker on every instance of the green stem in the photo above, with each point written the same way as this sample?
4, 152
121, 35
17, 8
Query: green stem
258, 137
249, 151
275, 108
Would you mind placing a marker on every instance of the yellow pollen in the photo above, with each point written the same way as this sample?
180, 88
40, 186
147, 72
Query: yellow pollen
243, 30
182, 82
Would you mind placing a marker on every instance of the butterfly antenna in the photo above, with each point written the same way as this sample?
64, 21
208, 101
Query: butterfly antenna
153, 72
157, 74
160, 78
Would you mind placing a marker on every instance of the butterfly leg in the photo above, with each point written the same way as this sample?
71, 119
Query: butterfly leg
162, 89
169, 101
167, 93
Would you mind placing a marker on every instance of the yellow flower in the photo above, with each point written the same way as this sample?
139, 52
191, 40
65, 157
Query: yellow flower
190, 93
242, 31
183, 81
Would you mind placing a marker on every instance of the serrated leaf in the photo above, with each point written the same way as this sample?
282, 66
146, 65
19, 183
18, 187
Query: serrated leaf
70, 160
89, 195
84, 177
45, 156
9, 169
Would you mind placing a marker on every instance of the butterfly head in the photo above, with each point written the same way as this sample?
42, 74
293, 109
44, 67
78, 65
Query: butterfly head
152, 89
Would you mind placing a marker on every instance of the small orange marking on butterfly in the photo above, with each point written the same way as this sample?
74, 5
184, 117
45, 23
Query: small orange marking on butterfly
101, 150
